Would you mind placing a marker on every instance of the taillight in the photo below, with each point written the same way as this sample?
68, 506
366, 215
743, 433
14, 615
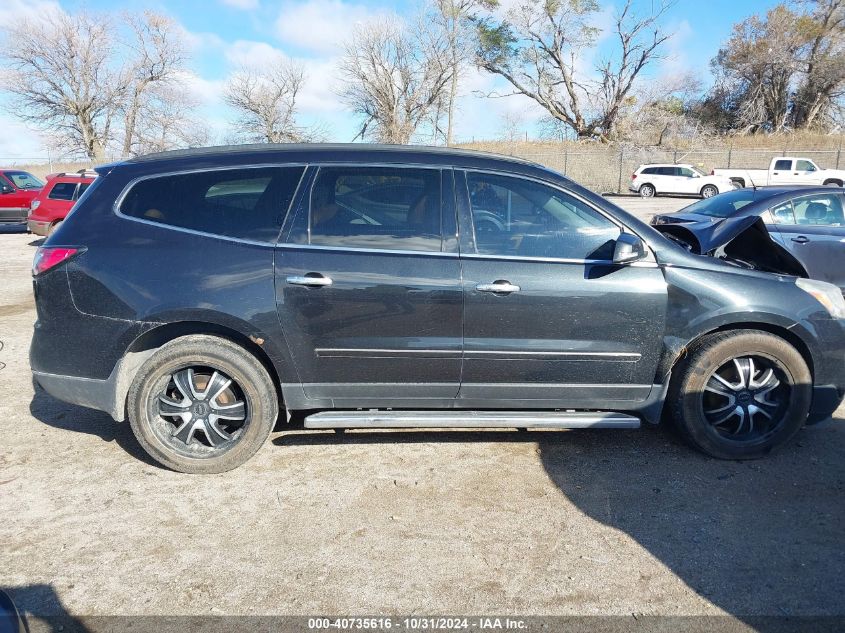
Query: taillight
713, 172
47, 257
634, 176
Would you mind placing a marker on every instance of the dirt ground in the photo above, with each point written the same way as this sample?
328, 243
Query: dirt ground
567, 522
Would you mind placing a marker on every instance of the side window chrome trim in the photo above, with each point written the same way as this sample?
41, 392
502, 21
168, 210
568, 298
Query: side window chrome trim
356, 249
125, 191
560, 260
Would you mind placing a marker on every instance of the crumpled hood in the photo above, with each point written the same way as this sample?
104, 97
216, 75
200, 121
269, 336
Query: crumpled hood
743, 239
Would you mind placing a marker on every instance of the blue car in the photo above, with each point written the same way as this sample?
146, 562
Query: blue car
793, 230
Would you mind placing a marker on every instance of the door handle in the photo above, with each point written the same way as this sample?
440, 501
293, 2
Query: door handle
801, 239
312, 280
499, 286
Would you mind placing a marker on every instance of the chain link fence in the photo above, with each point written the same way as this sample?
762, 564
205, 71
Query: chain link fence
602, 169
609, 170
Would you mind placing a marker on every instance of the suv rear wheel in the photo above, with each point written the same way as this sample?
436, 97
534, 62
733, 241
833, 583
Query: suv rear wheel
202, 404
740, 394
647, 191
708, 191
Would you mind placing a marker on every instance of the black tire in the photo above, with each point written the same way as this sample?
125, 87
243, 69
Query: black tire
832, 183
647, 191
205, 450
708, 191
53, 228
691, 388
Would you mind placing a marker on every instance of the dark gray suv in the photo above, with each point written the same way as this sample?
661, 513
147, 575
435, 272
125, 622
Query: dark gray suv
204, 294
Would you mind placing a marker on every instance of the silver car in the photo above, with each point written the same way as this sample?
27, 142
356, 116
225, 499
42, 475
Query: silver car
804, 226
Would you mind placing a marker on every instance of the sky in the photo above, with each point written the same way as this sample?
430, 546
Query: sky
223, 35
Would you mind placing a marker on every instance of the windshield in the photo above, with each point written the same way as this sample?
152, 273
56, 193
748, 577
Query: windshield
24, 180
698, 171
723, 206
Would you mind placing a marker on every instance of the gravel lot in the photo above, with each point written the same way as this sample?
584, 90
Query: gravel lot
568, 522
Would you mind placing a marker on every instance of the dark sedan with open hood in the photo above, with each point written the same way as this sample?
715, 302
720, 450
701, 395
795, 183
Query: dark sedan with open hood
793, 230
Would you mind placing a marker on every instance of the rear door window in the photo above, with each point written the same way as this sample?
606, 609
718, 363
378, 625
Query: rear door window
248, 203
385, 208
62, 191
783, 165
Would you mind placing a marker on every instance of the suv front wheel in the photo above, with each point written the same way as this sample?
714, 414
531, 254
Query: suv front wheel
740, 394
202, 404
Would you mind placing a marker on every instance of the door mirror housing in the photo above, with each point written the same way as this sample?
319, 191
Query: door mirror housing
628, 248
6, 189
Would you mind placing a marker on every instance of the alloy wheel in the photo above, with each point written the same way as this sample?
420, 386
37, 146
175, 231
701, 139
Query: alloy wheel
746, 398
202, 411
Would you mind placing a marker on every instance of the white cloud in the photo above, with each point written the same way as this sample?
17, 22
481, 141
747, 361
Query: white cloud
20, 143
30, 10
243, 5
318, 95
320, 25
252, 53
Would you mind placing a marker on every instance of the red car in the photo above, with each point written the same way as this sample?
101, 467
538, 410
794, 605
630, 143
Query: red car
17, 191
56, 200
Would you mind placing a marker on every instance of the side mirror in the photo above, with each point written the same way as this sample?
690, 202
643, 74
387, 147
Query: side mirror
628, 248
6, 189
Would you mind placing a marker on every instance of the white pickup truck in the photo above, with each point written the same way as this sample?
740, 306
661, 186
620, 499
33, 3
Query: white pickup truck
785, 170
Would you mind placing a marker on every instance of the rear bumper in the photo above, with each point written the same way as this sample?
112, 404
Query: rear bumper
13, 216
107, 394
38, 227
85, 392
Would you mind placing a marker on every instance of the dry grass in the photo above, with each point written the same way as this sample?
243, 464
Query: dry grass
808, 141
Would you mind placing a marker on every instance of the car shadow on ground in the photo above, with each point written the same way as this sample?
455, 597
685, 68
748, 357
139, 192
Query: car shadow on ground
69, 417
754, 538
51, 613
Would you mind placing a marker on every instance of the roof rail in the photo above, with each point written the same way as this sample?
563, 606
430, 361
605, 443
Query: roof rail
82, 173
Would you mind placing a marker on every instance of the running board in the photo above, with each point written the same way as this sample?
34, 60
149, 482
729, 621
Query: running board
456, 419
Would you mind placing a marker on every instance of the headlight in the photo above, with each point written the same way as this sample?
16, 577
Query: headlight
35, 204
826, 294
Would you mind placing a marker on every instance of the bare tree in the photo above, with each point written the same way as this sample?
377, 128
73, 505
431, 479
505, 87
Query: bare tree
63, 78
538, 48
75, 75
395, 76
659, 112
266, 103
823, 83
157, 56
455, 18
168, 121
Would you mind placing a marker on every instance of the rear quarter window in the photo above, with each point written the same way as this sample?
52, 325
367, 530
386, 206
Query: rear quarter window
241, 203
62, 191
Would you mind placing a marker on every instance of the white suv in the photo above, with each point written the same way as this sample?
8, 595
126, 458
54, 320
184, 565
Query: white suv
650, 180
